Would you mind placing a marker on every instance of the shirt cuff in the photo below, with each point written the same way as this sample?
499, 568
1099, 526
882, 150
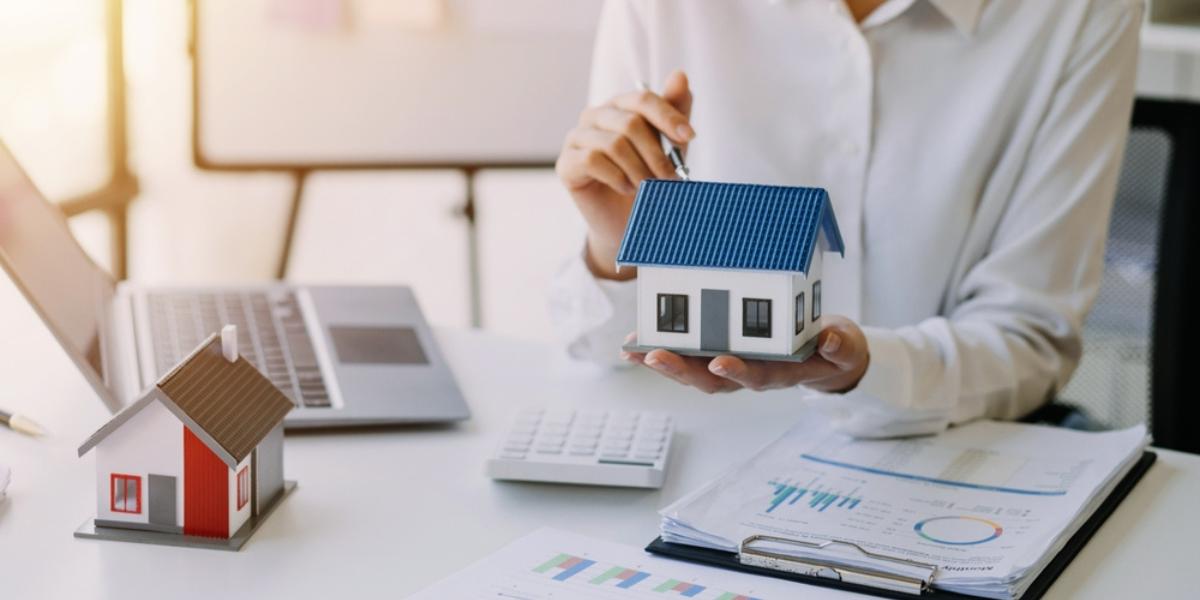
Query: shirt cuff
889, 374
592, 316
881, 404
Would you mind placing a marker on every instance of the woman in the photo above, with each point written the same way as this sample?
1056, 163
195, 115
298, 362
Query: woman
971, 149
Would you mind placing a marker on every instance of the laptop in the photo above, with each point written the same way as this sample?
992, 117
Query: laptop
345, 355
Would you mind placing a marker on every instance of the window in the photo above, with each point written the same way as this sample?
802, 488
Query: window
673, 313
243, 487
799, 312
126, 494
816, 300
756, 317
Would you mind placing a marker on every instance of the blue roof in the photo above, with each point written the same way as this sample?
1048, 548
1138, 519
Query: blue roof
727, 226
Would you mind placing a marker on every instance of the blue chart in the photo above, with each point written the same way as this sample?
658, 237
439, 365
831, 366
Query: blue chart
813, 495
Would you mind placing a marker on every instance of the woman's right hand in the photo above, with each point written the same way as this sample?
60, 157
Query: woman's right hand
613, 148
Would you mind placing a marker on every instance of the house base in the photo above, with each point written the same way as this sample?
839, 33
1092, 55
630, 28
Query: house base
89, 530
801, 355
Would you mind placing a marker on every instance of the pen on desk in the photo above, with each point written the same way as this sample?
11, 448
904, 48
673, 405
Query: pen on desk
21, 424
671, 149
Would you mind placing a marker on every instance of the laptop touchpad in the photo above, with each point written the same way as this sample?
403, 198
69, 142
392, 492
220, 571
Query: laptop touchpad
377, 345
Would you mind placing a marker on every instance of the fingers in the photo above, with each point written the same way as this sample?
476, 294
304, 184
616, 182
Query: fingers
580, 166
618, 148
762, 375
661, 115
638, 132
689, 371
677, 92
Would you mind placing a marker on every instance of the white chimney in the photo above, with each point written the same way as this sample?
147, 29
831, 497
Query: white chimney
229, 342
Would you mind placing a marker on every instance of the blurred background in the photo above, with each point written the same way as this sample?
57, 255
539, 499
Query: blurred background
343, 141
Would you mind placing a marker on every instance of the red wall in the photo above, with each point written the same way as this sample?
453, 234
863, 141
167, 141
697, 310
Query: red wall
205, 490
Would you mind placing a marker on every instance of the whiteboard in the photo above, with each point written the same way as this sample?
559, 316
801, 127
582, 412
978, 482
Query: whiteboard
337, 83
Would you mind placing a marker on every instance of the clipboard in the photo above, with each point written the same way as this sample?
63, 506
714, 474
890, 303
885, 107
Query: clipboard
886, 585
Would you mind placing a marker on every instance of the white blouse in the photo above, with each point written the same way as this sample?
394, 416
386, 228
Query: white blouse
971, 149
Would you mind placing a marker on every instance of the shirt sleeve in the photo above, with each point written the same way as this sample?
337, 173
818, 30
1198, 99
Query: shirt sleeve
591, 316
1012, 338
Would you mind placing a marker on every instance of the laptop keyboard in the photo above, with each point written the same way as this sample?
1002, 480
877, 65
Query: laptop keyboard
271, 335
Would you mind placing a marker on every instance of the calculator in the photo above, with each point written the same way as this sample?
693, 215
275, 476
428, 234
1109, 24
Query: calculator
589, 447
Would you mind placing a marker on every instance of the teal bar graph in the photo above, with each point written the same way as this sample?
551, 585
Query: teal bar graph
816, 498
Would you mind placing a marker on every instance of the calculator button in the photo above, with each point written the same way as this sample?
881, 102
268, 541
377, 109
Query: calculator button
613, 455
649, 456
549, 450
513, 455
582, 451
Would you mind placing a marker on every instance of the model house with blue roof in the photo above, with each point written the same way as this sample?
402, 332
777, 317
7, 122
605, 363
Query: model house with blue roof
729, 268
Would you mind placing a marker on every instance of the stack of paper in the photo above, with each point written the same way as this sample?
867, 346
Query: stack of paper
987, 505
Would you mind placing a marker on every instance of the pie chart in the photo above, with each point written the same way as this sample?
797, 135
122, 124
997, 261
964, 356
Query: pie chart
958, 530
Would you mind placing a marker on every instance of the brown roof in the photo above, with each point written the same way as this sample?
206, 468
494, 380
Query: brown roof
232, 402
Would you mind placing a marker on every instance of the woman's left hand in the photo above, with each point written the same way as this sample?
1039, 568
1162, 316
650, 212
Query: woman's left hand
839, 363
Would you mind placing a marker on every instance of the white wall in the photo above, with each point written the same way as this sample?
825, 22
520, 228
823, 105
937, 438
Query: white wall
801, 283
776, 287
150, 442
237, 518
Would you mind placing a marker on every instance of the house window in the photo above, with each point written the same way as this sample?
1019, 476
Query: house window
673, 313
816, 300
756, 317
799, 312
126, 494
243, 487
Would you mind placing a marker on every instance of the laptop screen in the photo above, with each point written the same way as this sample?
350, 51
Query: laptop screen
37, 249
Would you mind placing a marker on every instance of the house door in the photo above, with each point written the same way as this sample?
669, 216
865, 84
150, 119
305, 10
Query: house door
162, 501
714, 320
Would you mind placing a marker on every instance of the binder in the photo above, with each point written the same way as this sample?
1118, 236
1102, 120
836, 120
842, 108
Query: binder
886, 585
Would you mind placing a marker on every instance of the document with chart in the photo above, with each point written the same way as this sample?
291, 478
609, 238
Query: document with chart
988, 504
555, 565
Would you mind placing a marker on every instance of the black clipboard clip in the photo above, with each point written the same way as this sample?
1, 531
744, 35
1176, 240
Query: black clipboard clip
917, 579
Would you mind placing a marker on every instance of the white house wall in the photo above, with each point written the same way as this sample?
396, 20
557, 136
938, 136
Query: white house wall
800, 283
237, 518
775, 286
149, 442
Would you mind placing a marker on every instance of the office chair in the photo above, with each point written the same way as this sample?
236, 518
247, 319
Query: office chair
1136, 339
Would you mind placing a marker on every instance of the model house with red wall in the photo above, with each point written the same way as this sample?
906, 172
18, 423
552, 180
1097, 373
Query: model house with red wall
197, 460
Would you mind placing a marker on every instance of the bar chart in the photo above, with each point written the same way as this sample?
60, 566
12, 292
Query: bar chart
814, 495
564, 566
620, 576
581, 571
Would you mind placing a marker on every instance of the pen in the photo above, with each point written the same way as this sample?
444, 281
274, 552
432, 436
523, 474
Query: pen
671, 149
21, 424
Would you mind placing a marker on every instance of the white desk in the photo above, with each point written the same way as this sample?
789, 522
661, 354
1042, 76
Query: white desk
384, 513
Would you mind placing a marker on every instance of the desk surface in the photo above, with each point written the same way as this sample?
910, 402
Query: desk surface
428, 510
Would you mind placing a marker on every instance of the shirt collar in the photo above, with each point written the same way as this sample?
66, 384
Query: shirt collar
963, 13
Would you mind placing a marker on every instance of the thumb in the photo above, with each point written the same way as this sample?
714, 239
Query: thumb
842, 345
677, 92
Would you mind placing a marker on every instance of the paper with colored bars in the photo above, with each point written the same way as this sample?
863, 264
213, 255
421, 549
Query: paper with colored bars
555, 565
990, 504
